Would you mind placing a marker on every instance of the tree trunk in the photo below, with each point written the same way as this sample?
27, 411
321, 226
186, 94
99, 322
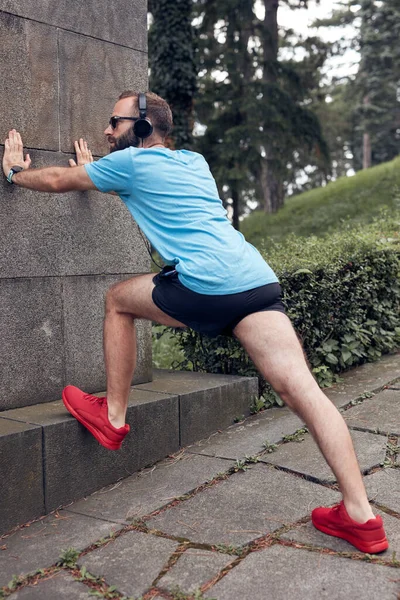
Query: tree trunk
271, 185
235, 207
366, 143
271, 188
366, 151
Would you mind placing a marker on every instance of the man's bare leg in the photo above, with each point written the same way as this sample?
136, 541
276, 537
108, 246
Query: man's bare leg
272, 344
125, 302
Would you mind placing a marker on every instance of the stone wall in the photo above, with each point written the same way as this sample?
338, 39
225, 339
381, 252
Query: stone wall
62, 66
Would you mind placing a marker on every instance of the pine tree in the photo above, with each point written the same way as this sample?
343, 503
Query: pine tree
252, 104
378, 80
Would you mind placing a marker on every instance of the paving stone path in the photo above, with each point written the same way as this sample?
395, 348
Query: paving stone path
226, 518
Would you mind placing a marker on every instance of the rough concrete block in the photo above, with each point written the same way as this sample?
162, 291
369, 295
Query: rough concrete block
76, 465
122, 22
151, 489
221, 514
40, 545
379, 413
383, 488
61, 586
21, 491
193, 569
83, 301
291, 573
145, 554
29, 81
83, 233
304, 456
369, 377
248, 438
106, 71
31, 349
207, 402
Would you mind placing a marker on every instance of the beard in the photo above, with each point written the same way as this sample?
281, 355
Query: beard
124, 141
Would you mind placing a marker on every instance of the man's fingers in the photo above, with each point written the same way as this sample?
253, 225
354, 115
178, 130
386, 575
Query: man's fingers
91, 156
77, 147
72, 163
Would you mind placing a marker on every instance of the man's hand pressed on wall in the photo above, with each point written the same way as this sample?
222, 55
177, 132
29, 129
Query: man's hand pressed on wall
14, 153
83, 154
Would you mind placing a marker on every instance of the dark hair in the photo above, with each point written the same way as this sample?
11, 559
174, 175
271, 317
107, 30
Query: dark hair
158, 111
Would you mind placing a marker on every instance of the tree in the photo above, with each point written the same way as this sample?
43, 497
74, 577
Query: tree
378, 80
172, 63
258, 126
373, 94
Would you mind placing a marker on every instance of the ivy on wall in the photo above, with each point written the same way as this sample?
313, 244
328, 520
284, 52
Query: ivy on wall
173, 72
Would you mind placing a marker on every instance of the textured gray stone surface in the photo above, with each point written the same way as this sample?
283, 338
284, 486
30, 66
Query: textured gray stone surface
78, 233
107, 71
247, 438
243, 507
304, 457
31, 350
366, 378
60, 586
151, 489
29, 81
383, 487
40, 544
131, 562
194, 568
380, 413
77, 465
282, 573
83, 303
307, 534
122, 22
21, 473
207, 402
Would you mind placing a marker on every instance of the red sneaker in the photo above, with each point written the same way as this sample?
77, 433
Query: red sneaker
368, 537
92, 412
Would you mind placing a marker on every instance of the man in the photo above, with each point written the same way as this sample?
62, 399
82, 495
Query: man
214, 282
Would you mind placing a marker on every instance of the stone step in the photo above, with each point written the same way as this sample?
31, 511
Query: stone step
48, 459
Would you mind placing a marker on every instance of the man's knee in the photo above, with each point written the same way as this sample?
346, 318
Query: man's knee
113, 296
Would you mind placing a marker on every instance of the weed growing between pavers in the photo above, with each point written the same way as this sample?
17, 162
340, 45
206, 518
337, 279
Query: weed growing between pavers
269, 448
20, 581
360, 556
297, 436
173, 559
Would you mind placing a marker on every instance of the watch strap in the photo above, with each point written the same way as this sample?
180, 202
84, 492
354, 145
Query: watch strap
13, 170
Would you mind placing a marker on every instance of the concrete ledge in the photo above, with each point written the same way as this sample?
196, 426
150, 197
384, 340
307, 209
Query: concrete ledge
21, 471
207, 402
54, 460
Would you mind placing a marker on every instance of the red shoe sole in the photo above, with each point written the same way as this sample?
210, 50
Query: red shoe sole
367, 547
95, 432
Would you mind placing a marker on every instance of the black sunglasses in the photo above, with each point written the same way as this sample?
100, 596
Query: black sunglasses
114, 120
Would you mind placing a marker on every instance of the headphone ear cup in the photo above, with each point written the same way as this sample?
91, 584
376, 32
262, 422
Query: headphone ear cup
143, 128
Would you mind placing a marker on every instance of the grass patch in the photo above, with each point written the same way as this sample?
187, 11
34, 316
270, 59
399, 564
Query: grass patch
341, 204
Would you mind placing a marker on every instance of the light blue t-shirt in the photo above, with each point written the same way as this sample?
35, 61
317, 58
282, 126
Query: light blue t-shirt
173, 197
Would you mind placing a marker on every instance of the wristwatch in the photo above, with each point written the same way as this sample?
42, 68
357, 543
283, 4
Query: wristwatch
13, 170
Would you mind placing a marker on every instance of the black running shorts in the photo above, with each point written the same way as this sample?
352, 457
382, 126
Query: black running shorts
211, 315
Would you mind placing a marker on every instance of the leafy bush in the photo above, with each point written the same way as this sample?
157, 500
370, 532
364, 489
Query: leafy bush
342, 295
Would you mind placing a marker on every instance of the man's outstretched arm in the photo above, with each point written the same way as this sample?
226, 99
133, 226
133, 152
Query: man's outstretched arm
48, 179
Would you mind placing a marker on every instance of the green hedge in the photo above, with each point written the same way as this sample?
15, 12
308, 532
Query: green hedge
342, 295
